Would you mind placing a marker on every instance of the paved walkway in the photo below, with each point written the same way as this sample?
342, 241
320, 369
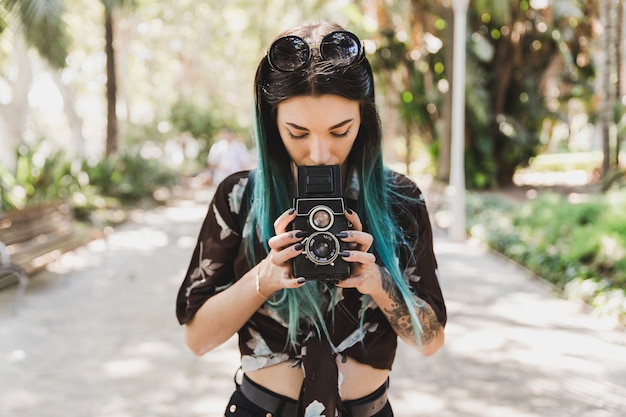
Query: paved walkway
96, 336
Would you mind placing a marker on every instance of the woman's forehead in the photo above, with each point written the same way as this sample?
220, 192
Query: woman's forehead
309, 108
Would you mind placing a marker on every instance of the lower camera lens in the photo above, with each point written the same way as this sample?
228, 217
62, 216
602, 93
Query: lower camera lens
322, 248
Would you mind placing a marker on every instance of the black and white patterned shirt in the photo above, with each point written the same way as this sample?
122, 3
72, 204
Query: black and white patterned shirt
219, 260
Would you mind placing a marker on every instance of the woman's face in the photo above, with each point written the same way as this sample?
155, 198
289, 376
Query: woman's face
318, 130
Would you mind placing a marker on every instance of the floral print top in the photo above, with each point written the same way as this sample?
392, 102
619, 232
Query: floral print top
219, 260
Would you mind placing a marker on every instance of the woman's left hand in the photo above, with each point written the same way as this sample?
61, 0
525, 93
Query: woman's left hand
364, 273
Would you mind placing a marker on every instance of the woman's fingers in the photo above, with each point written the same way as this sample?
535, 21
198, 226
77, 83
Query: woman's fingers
358, 240
281, 241
353, 218
273, 277
281, 223
364, 258
287, 254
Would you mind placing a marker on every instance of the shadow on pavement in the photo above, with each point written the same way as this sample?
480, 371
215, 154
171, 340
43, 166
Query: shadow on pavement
97, 336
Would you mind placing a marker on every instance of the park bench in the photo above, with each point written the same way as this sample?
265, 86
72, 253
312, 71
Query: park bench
33, 237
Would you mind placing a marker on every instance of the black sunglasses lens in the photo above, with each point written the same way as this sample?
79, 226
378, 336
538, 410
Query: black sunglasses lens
342, 48
289, 53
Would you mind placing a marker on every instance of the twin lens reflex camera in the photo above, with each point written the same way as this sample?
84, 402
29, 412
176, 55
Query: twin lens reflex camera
320, 212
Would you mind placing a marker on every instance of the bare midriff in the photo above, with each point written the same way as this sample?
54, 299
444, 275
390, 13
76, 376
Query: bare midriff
359, 379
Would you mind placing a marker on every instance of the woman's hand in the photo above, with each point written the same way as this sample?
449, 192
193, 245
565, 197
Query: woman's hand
364, 273
276, 270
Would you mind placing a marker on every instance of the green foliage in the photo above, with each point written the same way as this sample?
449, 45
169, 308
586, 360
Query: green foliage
129, 176
186, 116
43, 26
126, 178
40, 177
137, 134
506, 69
566, 243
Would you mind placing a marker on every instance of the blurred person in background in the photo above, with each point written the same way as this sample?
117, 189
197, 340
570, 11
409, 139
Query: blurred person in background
227, 156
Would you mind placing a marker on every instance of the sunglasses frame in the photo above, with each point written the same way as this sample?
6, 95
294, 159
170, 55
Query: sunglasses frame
309, 48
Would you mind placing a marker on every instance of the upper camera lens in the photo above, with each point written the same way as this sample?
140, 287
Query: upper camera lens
321, 218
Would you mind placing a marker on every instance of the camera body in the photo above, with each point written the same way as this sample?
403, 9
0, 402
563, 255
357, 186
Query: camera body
320, 212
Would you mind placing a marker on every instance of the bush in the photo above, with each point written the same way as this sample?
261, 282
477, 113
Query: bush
579, 247
123, 179
128, 176
41, 176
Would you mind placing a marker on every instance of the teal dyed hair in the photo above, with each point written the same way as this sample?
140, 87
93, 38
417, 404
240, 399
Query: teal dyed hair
274, 185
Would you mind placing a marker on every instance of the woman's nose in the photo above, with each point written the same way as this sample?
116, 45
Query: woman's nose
320, 152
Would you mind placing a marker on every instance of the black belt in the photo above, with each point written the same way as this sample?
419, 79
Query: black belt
281, 406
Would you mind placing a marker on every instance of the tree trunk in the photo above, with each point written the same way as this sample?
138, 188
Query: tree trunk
620, 90
607, 16
77, 145
112, 129
14, 114
445, 141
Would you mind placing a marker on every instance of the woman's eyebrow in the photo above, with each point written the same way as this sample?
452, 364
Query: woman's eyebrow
295, 126
338, 125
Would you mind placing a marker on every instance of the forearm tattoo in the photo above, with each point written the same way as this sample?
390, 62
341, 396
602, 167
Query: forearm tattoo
399, 317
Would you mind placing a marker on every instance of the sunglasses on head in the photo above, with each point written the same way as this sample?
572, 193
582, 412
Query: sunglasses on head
290, 53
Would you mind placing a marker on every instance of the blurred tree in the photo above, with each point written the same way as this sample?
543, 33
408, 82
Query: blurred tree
110, 7
34, 24
525, 60
402, 58
611, 79
201, 53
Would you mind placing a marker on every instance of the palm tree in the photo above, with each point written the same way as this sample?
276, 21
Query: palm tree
41, 22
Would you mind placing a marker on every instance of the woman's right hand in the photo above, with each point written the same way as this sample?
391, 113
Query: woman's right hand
276, 271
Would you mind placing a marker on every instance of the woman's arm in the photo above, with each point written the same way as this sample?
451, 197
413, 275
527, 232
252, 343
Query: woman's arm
223, 314
368, 278
391, 302
377, 283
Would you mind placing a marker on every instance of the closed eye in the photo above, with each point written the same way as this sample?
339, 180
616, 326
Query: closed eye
341, 134
296, 137
296, 132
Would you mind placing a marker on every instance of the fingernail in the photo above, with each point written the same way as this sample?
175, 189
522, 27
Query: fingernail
344, 254
301, 280
291, 211
349, 210
302, 233
341, 235
299, 246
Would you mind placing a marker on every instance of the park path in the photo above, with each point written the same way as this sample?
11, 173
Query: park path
96, 336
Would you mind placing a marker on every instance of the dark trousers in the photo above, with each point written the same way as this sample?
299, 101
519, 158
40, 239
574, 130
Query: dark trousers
240, 406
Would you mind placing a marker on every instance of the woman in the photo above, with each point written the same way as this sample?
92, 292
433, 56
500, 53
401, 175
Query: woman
313, 347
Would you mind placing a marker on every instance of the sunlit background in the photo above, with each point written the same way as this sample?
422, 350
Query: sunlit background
544, 130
